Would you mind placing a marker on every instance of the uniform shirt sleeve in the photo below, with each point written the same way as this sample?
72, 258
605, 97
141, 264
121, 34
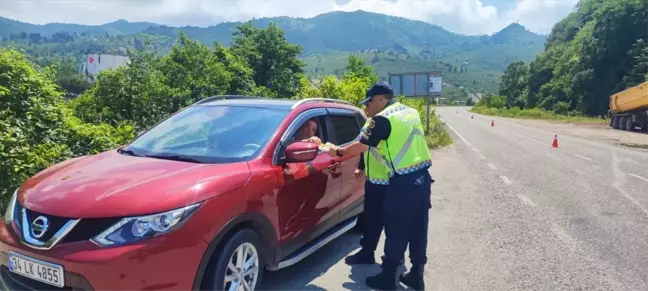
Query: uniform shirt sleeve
361, 164
378, 129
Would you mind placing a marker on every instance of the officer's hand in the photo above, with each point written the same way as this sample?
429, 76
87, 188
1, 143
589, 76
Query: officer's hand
358, 173
333, 151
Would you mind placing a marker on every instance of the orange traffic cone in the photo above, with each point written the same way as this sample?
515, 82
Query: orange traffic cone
492, 122
555, 142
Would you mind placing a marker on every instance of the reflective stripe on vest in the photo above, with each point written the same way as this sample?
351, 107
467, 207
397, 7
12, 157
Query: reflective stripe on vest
406, 146
378, 176
376, 168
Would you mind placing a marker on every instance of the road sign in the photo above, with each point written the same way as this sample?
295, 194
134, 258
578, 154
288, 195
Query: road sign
435, 85
415, 85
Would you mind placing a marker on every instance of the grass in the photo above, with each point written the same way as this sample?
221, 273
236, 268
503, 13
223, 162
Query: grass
537, 113
438, 136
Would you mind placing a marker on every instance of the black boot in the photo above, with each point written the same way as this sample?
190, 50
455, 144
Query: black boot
386, 280
361, 258
414, 278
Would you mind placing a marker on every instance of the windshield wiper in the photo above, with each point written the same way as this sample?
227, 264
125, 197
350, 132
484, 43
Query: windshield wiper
175, 158
128, 152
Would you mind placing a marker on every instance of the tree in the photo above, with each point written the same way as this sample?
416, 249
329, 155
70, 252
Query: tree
68, 77
137, 93
307, 89
270, 56
596, 51
639, 72
241, 80
194, 71
36, 129
513, 82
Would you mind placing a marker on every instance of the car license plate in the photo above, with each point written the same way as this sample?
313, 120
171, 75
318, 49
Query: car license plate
36, 269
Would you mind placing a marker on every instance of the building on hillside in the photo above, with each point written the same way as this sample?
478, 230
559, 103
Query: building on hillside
93, 64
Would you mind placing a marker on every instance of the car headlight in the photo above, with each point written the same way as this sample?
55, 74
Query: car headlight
9, 212
132, 229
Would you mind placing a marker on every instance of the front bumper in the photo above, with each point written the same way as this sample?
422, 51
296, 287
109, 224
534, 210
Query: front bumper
167, 262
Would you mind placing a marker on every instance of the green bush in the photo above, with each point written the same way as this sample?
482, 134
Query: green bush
36, 128
537, 113
561, 108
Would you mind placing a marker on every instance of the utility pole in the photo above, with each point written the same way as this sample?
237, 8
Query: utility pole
427, 105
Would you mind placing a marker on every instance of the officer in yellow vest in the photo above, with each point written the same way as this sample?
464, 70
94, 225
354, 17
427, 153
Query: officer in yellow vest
397, 133
373, 221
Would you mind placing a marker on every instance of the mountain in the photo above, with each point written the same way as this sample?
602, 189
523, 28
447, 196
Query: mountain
516, 33
333, 31
391, 44
119, 27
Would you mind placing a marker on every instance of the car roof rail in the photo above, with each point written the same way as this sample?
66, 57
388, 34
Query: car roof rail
226, 97
304, 101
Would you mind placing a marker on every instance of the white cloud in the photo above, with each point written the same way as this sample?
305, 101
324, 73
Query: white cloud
463, 16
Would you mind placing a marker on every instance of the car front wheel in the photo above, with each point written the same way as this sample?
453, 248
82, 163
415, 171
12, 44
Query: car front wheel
238, 266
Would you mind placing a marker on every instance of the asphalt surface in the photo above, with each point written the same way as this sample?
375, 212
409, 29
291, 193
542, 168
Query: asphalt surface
510, 212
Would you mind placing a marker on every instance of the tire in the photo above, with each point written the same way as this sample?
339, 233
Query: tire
622, 123
629, 125
615, 122
242, 240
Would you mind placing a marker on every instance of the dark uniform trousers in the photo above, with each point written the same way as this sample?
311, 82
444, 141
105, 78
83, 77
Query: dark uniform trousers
407, 206
374, 215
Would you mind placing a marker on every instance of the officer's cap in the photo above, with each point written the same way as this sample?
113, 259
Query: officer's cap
381, 88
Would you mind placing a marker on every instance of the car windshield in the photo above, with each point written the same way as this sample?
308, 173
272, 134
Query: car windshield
210, 134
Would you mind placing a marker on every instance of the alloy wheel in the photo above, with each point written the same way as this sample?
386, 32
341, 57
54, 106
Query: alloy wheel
242, 269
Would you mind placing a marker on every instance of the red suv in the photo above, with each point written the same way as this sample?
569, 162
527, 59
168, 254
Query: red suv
205, 200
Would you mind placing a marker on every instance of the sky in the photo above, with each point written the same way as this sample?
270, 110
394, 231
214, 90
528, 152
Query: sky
471, 17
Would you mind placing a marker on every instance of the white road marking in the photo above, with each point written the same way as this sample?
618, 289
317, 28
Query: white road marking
452, 128
506, 180
475, 150
492, 166
482, 157
527, 200
639, 177
582, 157
532, 139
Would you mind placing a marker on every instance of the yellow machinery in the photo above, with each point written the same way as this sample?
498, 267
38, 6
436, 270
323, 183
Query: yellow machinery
630, 108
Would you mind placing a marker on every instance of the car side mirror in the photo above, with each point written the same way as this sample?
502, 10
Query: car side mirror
300, 152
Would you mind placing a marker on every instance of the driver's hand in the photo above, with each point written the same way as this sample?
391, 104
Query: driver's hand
315, 140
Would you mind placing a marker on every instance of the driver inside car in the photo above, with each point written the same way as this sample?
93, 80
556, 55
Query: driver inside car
308, 133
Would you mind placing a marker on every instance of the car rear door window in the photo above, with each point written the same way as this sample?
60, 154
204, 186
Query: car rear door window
345, 128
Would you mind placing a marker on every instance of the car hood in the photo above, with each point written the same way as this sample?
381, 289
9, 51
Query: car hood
114, 185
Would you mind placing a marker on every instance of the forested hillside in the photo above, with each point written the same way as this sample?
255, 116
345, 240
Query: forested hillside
599, 49
389, 44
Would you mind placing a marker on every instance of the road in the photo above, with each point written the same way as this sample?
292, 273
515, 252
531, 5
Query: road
510, 212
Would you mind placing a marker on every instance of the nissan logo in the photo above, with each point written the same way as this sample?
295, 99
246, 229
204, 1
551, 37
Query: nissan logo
39, 226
